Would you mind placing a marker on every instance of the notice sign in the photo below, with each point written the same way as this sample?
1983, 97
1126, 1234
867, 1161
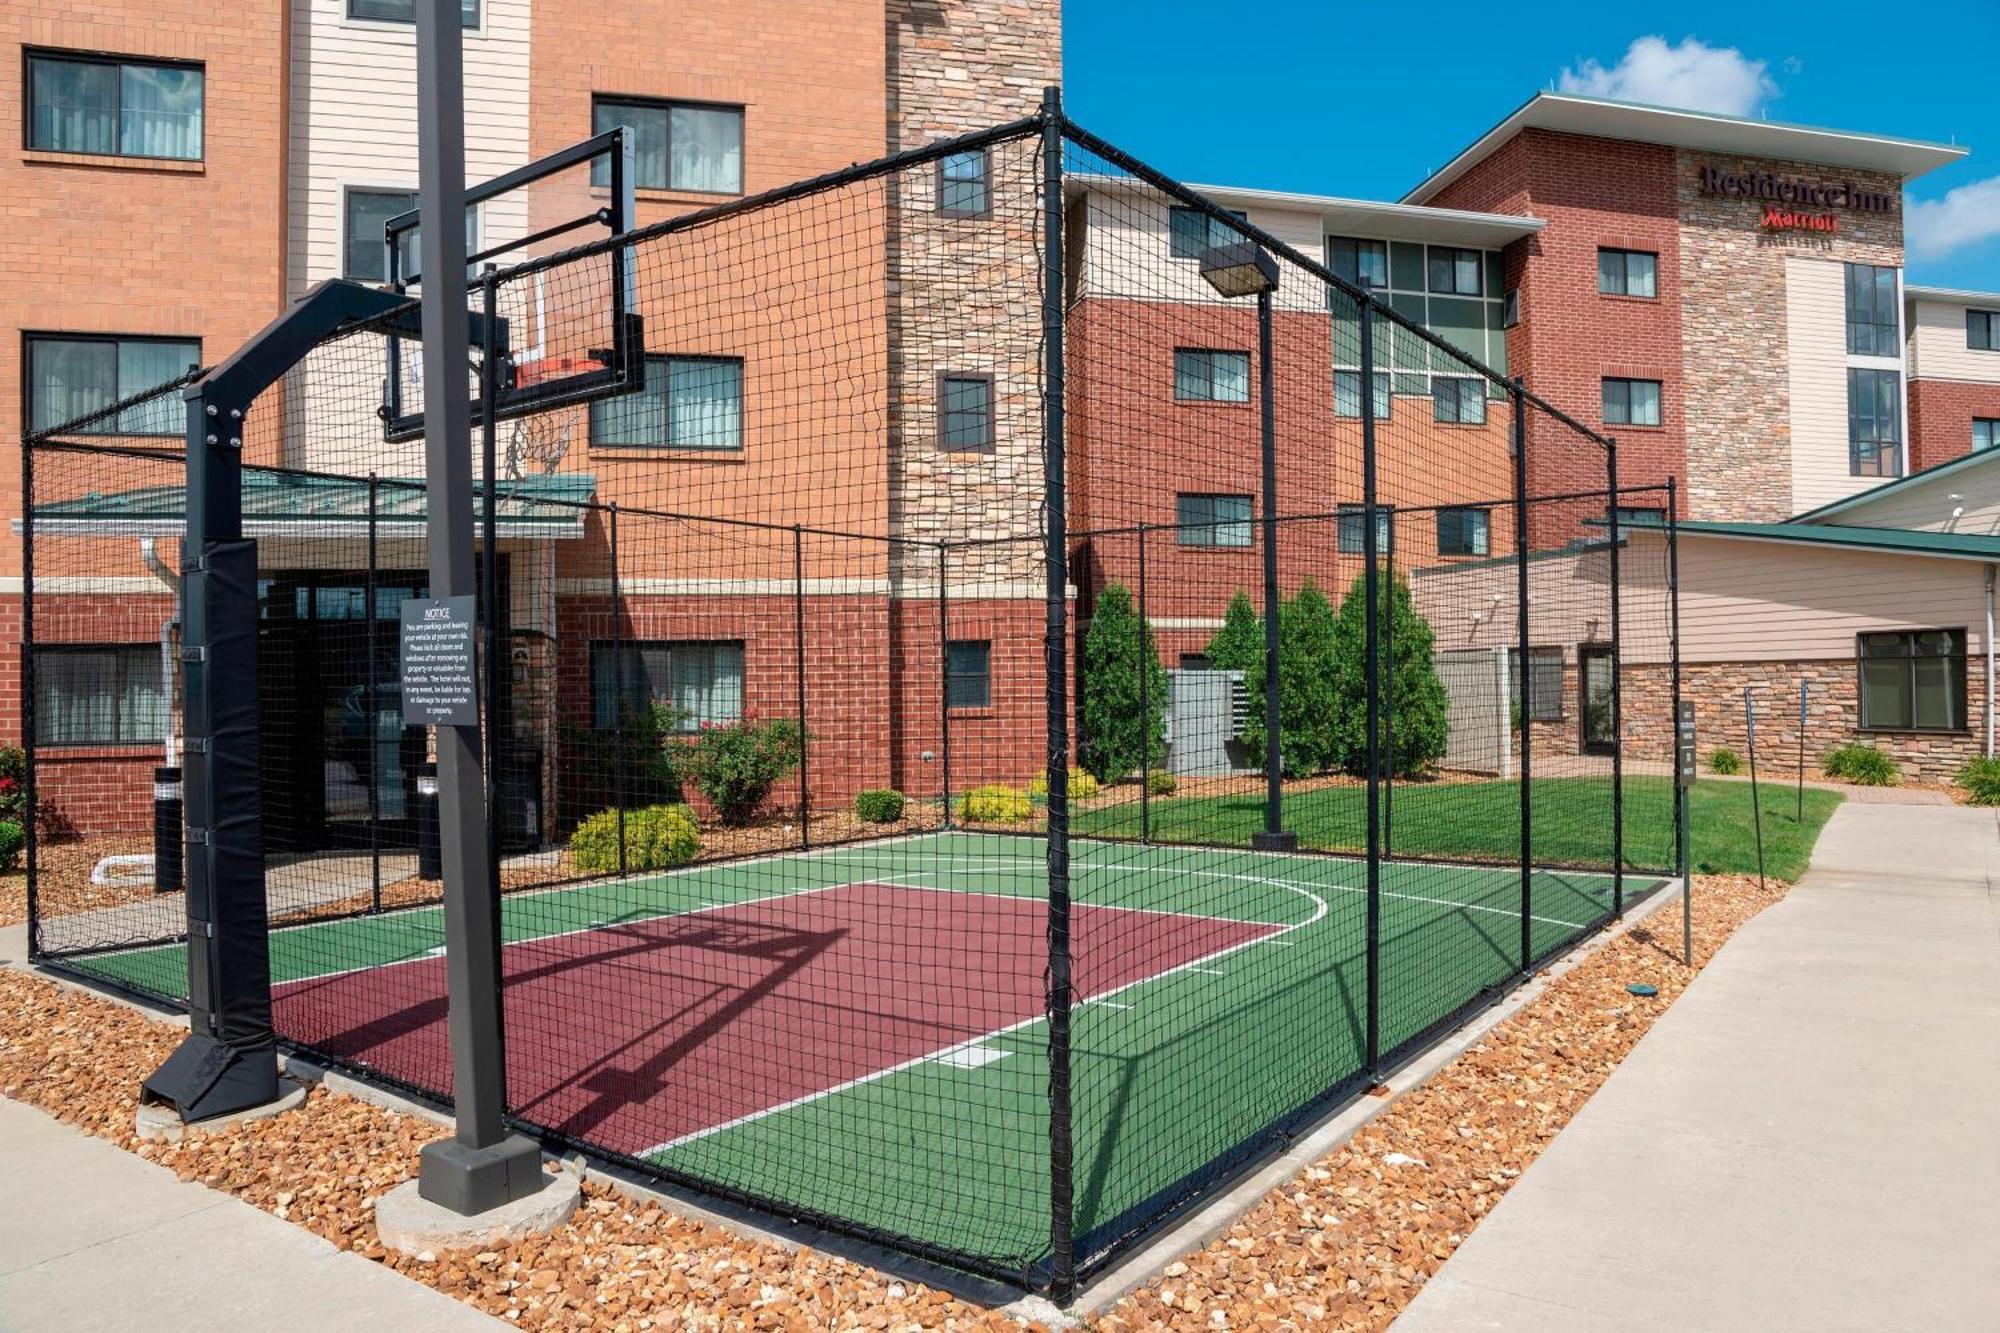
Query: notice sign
440, 682
1684, 762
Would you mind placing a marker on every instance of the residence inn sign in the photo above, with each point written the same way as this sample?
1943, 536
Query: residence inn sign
1789, 201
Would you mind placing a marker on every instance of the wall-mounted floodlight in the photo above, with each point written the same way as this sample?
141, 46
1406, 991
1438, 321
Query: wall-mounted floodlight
1239, 269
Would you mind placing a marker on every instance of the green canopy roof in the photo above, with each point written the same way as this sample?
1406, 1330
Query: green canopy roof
1903, 541
275, 503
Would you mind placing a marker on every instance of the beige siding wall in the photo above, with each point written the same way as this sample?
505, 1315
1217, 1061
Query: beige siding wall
1964, 500
1816, 331
1937, 345
1126, 252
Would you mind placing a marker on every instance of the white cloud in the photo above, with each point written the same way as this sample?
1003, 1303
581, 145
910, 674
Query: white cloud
1965, 216
1693, 74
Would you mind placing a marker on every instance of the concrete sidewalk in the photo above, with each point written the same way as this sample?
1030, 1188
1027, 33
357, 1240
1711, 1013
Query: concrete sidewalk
93, 1238
1809, 1139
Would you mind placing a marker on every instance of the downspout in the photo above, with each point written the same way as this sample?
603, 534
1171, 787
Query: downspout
150, 553
1989, 661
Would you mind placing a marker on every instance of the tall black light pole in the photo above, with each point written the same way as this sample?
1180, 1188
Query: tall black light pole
482, 1166
1244, 269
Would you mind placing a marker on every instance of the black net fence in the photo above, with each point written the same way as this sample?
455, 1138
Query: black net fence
946, 782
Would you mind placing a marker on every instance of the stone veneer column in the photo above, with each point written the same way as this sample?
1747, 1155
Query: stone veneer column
1737, 391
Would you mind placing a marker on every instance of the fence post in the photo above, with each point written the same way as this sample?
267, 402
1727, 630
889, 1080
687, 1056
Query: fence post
1756, 800
618, 740
1805, 690
1371, 582
1062, 1237
1617, 695
1523, 672
1273, 838
1682, 861
1389, 686
944, 683
1145, 703
31, 811
799, 665
374, 724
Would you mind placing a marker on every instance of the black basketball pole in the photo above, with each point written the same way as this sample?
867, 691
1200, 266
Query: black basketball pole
1272, 838
481, 1166
1371, 580
1145, 703
1523, 683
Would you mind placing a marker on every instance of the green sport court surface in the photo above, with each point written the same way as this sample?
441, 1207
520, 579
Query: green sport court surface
858, 1032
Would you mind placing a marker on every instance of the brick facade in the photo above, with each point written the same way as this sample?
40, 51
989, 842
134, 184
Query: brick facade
1941, 415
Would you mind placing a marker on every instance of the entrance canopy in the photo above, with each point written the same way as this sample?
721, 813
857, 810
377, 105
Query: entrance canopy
288, 503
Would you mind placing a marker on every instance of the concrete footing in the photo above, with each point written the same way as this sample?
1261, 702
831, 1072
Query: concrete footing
411, 1224
160, 1123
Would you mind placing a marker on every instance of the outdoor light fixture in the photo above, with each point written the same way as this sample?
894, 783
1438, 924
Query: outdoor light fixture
1239, 269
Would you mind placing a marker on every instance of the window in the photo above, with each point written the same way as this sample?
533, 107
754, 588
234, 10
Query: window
1212, 520
1648, 516
965, 412
1631, 402
968, 673
1353, 530
364, 257
1464, 531
702, 682
100, 694
1985, 432
1982, 330
1874, 422
676, 145
1363, 263
1627, 272
1913, 680
687, 402
1191, 232
1196, 662
1347, 394
69, 376
1458, 399
1454, 272
1510, 310
1211, 377
962, 184
126, 108
405, 11
1545, 682
1871, 311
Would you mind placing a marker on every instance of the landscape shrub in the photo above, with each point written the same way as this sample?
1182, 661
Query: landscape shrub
1116, 736
879, 805
12, 839
735, 764
1161, 783
1981, 779
1082, 786
995, 803
13, 783
1863, 765
1308, 700
1413, 696
1239, 644
1725, 762
656, 837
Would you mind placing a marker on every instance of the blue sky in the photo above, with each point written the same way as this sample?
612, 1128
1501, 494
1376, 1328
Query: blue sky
1364, 100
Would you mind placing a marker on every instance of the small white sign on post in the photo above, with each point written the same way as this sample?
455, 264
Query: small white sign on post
440, 675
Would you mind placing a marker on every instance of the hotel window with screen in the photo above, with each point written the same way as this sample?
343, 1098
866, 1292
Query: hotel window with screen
365, 216
699, 683
120, 108
962, 182
1463, 531
1982, 330
1913, 680
1347, 394
1454, 272
1460, 400
1628, 273
1363, 263
1874, 422
1871, 311
70, 375
687, 402
965, 413
1192, 232
1211, 377
1212, 520
1631, 402
1352, 530
1545, 682
1985, 433
968, 673
676, 145
99, 694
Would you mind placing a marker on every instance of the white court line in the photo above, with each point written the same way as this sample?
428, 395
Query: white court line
1319, 911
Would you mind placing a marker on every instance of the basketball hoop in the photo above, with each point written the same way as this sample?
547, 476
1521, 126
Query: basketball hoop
542, 369
540, 440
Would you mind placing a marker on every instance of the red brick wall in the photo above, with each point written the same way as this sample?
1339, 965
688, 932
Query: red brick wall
1592, 192
1005, 742
1941, 413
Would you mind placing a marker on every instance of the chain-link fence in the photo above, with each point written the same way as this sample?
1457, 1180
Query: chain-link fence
1029, 692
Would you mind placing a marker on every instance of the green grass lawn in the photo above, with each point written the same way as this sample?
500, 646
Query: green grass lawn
1481, 821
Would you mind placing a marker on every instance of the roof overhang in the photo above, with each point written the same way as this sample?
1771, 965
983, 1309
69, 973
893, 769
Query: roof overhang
1951, 296
1706, 131
1352, 217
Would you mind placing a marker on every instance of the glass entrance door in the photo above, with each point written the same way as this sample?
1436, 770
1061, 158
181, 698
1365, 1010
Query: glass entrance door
1595, 679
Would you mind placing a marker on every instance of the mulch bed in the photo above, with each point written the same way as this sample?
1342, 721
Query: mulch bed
64, 871
1345, 1245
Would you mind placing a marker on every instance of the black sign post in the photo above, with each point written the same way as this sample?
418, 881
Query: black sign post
1684, 767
